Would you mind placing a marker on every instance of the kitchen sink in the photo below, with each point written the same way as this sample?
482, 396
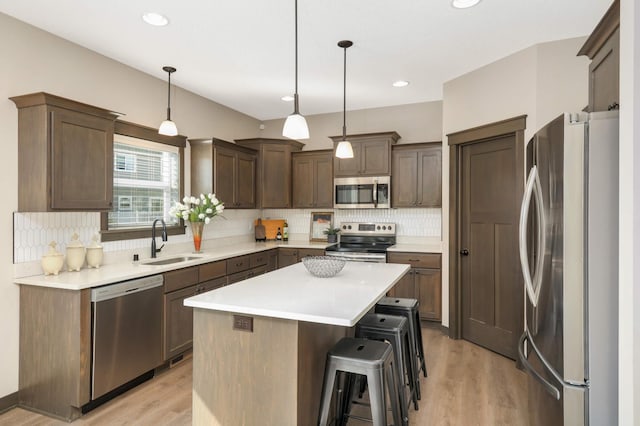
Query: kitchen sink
170, 260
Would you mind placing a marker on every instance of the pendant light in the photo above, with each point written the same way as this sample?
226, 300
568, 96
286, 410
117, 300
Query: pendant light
295, 127
168, 127
344, 148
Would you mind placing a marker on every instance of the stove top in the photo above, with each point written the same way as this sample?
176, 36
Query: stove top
367, 237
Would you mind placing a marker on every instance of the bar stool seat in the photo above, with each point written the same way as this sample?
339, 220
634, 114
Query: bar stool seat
409, 308
368, 358
395, 330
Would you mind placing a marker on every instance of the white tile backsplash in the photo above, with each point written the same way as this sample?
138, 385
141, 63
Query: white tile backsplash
34, 231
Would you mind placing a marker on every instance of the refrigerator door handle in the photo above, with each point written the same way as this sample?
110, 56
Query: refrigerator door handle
532, 283
552, 390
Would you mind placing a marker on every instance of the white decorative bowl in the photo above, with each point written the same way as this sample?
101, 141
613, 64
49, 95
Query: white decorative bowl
323, 266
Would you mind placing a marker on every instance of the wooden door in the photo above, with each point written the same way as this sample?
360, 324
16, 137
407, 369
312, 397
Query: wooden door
405, 178
223, 180
245, 181
428, 284
429, 189
324, 181
178, 322
492, 292
303, 181
82, 161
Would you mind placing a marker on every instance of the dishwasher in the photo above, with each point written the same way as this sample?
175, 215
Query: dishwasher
126, 332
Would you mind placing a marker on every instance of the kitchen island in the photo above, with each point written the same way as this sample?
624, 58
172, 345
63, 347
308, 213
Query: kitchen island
260, 345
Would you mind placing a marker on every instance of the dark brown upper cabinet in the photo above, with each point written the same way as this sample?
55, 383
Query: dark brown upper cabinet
65, 154
226, 169
312, 179
273, 170
371, 155
603, 48
416, 175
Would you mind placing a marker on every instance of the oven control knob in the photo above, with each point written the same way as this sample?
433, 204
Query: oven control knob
344, 226
378, 227
390, 227
349, 226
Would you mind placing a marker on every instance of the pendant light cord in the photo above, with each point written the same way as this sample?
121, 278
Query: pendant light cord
295, 95
344, 98
169, 98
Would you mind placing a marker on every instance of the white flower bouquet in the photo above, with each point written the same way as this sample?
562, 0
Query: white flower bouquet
194, 209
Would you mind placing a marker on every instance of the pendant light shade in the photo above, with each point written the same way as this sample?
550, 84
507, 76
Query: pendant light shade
344, 148
295, 127
168, 127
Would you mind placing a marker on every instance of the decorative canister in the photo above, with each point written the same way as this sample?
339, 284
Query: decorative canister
52, 261
94, 254
75, 254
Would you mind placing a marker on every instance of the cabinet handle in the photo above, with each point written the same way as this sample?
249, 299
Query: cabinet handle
464, 252
613, 106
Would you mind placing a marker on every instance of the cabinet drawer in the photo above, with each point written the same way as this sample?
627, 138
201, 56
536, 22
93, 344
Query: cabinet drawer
416, 260
237, 264
213, 270
309, 252
180, 278
212, 284
258, 259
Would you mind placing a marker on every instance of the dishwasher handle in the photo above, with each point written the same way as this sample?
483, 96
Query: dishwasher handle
124, 288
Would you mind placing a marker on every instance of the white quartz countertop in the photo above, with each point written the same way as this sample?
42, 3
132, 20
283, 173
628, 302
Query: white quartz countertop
293, 293
113, 273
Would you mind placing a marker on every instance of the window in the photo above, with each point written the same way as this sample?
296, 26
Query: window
147, 179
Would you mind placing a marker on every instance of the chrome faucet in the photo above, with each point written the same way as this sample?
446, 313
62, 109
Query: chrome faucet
153, 236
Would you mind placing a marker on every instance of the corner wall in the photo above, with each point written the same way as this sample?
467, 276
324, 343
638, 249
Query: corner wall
541, 81
35, 61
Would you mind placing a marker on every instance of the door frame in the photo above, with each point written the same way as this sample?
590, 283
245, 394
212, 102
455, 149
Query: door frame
512, 126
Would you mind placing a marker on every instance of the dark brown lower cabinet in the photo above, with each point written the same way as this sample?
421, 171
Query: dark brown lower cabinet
243, 275
423, 282
290, 256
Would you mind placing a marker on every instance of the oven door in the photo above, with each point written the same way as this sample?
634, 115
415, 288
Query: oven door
362, 192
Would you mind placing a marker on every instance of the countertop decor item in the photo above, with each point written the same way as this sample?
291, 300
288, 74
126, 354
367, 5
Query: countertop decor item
75, 254
320, 221
260, 232
332, 234
323, 266
53, 260
94, 253
199, 211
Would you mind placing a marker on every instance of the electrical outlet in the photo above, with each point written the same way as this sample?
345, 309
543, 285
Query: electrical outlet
244, 323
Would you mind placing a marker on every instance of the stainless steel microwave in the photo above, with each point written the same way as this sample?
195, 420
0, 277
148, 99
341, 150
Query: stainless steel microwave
362, 192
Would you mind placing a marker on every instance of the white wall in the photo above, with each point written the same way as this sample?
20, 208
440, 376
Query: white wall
541, 81
34, 61
421, 122
629, 279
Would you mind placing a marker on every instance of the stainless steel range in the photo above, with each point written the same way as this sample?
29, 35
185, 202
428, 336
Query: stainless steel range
364, 242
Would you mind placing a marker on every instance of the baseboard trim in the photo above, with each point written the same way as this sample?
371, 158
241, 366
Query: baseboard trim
8, 402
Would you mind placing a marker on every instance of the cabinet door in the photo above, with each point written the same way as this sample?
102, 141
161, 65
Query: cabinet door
349, 166
81, 160
429, 190
375, 158
180, 278
276, 177
178, 326
309, 252
272, 260
303, 182
287, 256
604, 76
429, 287
224, 174
237, 264
324, 181
406, 287
245, 188
404, 178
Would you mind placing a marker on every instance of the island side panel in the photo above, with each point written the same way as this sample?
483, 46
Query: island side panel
55, 353
244, 378
314, 341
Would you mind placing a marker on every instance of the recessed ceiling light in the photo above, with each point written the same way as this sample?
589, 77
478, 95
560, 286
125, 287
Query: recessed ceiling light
287, 98
400, 83
155, 19
463, 4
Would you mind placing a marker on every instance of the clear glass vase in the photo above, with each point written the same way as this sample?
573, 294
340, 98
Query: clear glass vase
196, 230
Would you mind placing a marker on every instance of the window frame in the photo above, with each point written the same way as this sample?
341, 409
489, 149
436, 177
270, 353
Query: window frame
150, 134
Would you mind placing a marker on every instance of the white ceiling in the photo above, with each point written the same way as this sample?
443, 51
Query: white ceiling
240, 53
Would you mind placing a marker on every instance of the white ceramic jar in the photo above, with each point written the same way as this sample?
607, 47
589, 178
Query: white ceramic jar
94, 253
52, 261
75, 254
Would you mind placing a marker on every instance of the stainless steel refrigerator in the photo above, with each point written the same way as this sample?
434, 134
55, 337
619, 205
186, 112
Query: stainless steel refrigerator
569, 256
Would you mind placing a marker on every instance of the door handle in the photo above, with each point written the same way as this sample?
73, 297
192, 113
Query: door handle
464, 252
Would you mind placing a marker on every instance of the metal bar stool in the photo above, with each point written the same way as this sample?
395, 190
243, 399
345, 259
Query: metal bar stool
395, 330
409, 308
368, 358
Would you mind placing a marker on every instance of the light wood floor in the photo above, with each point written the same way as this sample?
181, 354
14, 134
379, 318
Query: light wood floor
467, 385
